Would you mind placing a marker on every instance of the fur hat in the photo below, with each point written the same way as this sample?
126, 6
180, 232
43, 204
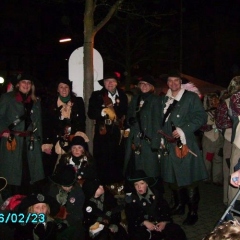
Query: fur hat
66, 176
78, 140
89, 187
115, 75
149, 79
36, 198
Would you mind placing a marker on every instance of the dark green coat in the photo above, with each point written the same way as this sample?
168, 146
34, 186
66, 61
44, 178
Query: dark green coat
11, 161
189, 115
149, 116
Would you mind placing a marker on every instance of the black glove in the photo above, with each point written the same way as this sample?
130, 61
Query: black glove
61, 226
132, 121
45, 230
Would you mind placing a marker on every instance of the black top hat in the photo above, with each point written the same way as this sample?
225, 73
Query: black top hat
114, 75
90, 187
3, 183
139, 175
78, 140
174, 73
66, 176
64, 80
36, 198
23, 76
149, 79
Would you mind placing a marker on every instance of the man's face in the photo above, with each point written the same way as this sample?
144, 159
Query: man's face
174, 83
25, 86
110, 84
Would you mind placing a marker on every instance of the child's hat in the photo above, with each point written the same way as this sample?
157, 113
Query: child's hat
65, 176
36, 198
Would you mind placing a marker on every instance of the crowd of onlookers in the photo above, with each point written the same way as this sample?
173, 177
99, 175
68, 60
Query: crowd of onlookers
54, 187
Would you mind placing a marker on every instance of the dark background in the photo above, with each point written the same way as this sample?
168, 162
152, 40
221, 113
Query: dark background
200, 37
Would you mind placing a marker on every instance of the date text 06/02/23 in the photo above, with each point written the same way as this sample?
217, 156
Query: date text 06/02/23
22, 218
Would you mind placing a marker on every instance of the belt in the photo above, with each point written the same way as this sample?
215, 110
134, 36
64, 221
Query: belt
22, 133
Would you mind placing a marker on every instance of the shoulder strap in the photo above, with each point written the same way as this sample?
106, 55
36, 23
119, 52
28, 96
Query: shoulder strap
170, 108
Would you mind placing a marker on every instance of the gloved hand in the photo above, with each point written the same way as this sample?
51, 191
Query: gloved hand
110, 112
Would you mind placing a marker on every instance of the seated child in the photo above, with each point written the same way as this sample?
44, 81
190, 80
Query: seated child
41, 224
148, 213
69, 194
102, 213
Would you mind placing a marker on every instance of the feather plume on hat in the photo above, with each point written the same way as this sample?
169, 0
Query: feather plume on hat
191, 87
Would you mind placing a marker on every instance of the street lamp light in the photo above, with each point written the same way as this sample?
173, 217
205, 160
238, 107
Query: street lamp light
1, 80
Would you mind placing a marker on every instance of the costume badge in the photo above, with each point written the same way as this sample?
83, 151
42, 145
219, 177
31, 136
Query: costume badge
40, 197
141, 103
89, 209
72, 200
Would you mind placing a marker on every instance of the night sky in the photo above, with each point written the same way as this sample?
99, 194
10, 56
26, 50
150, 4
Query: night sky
208, 37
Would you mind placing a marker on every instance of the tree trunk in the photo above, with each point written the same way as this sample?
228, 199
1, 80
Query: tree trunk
89, 33
88, 64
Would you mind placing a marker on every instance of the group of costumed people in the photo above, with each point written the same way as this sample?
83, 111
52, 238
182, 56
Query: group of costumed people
151, 133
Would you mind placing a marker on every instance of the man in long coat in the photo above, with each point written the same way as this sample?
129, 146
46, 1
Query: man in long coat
108, 107
183, 114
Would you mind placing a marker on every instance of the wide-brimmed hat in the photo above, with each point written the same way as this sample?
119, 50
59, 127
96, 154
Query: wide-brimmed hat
36, 198
174, 73
89, 187
3, 183
78, 140
64, 80
65, 176
23, 76
140, 175
149, 79
115, 75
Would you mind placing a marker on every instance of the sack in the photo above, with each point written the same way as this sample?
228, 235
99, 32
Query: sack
181, 152
11, 145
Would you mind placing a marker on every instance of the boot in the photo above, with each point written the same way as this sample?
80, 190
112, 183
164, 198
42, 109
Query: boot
194, 197
180, 199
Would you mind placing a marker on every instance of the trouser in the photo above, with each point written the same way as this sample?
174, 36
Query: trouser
213, 158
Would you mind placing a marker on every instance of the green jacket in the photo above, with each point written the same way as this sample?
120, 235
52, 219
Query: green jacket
149, 118
11, 161
189, 115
